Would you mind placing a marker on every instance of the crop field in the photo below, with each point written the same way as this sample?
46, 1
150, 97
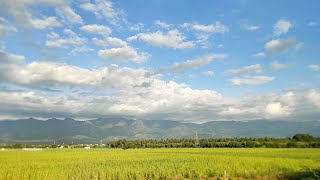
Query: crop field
155, 163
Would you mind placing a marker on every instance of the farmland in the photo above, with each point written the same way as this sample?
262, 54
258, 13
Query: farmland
162, 163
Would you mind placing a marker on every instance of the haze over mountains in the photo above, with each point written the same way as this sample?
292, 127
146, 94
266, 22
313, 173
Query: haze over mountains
93, 131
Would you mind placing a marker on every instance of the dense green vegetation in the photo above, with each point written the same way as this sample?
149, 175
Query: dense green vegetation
191, 163
297, 141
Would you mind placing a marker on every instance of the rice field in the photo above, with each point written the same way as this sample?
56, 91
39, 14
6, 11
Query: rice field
155, 163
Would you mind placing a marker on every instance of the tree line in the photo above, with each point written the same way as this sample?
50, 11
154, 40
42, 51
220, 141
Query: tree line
297, 141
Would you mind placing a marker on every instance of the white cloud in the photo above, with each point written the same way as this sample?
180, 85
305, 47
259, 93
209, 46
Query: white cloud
203, 40
136, 95
13, 68
255, 68
314, 67
161, 100
314, 97
97, 29
137, 27
172, 39
203, 32
80, 49
69, 15
208, 73
21, 12
5, 27
212, 28
71, 39
162, 24
249, 27
275, 65
191, 64
104, 9
52, 35
259, 54
109, 41
277, 46
277, 109
49, 22
132, 38
251, 80
195, 63
281, 27
125, 53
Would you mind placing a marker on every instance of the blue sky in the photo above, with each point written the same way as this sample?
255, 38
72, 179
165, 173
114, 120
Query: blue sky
181, 60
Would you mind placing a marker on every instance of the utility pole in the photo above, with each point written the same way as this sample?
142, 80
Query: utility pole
196, 143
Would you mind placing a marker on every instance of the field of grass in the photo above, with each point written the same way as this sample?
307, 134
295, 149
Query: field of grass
155, 163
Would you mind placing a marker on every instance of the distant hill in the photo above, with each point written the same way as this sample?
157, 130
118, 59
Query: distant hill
92, 131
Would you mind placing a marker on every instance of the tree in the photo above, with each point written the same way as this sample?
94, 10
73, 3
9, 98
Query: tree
303, 137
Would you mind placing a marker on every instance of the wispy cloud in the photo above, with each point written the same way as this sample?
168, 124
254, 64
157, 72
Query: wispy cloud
251, 80
275, 65
190, 64
255, 68
277, 46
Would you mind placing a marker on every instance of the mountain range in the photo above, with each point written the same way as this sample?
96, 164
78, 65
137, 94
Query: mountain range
103, 129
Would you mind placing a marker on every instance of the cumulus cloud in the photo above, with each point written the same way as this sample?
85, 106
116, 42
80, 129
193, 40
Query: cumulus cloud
14, 69
314, 97
137, 95
277, 46
281, 27
109, 41
251, 80
71, 39
277, 109
97, 29
275, 65
165, 100
255, 68
125, 53
171, 39
49, 22
21, 12
104, 9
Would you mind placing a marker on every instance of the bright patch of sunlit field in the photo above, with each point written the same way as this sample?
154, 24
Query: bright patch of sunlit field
154, 163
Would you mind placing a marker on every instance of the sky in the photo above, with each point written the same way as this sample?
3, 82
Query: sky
190, 61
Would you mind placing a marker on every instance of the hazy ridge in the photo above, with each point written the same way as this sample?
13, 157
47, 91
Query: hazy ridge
91, 131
